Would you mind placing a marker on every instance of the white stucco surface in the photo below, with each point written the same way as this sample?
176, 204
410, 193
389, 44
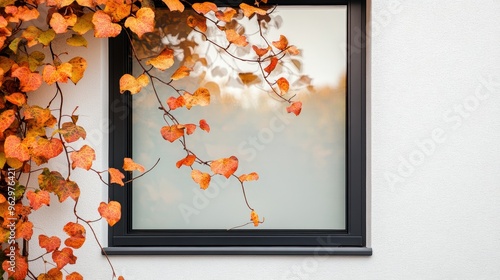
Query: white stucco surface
434, 157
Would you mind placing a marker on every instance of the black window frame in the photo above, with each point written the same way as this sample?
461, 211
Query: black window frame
123, 240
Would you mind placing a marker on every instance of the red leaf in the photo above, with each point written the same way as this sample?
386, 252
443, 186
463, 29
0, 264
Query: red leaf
283, 85
172, 133
272, 65
112, 212
20, 270
49, 243
188, 161
225, 166
204, 125
24, 229
174, 103
295, 108
190, 128
260, 52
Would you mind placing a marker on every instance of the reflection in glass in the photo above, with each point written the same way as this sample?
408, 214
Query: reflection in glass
300, 160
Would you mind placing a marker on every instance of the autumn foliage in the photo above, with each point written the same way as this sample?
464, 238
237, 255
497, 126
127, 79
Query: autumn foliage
32, 135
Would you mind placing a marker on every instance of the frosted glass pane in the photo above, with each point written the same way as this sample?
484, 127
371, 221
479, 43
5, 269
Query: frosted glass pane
301, 160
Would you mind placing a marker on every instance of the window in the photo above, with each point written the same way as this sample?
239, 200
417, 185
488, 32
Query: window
312, 185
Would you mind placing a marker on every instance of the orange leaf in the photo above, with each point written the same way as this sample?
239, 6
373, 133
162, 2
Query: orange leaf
116, 176
187, 161
248, 10
112, 212
204, 125
190, 128
15, 149
172, 133
72, 132
203, 179
197, 21
63, 257
283, 85
260, 52
16, 98
293, 50
180, 73
52, 274
54, 182
6, 119
61, 73
174, 5
103, 27
174, 103
272, 65
163, 61
76, 234
227, 15
43, 149
235, 38
225, 166
254, 218
60, 23
21, 13
121, 278
49, 243
205, 7
20, 271
74, 276
249, 177
200, 97
38, 198
282, 43
128, 82
295, 108
39, 117
118, 10
29, 81
83, 158
144, 22
130, 165
24, 229
248, 78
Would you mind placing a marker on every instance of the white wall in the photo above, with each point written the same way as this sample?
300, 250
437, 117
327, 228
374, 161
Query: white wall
435, 79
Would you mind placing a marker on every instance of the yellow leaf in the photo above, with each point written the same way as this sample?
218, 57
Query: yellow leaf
144, 22
77, 40
128, 82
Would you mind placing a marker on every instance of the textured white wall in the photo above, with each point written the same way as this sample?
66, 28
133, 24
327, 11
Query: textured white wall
434, 118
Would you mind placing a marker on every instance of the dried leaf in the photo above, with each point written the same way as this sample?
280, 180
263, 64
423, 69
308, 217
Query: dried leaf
201, 97
77, 40
187, 161
74, 276
202, 179
103, 26
172, 133
144, 22
174, 5
116, 176
54, 182
38, 198
295, 108
174, 103
128, 82
204, 125
29, 81
49, 243
249, 78
254, 218
283, 85
260, 52
227, 15
235, 38
20, 270
130, 165
163, 61
248, 10
83, 158
197, 21
52, 274
282, 44
272, 65
76, 234
79, 65
180, 73
72, 132
63, 257
111, 212
24, 229
205, 7
14, 148
16, 98
190, 128
249, 177
225, 166
61, 73
7, 117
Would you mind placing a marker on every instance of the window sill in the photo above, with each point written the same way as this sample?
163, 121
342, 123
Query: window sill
231, 250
